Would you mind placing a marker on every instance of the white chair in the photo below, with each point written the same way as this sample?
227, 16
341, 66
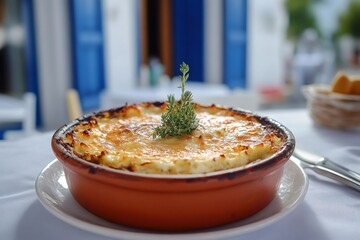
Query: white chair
19, 110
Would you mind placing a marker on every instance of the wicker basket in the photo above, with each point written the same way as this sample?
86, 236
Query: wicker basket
332, 109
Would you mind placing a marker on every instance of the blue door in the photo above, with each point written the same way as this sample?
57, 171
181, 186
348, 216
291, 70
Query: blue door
32, 84
88, 51
188, 37
235, 43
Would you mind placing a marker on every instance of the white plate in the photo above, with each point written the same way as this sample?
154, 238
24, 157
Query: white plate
53, 193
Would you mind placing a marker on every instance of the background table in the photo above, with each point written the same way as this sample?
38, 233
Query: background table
329, 210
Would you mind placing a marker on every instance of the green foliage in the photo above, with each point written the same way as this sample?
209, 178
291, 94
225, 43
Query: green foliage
180, 118
301, 17
349, 20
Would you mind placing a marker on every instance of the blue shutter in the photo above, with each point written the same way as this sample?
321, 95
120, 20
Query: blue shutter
88, 51
32, 84
235, 43
188, 37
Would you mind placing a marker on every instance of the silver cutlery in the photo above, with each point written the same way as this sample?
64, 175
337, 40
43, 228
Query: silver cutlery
327, 168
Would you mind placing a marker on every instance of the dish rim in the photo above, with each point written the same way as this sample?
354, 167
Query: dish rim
284, 153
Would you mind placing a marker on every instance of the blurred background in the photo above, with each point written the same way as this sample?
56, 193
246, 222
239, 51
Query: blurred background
252, 54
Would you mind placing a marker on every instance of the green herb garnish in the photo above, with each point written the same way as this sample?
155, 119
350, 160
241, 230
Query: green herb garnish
180, 118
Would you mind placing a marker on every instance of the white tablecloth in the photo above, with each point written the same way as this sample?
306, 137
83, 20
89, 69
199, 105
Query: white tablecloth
329, 210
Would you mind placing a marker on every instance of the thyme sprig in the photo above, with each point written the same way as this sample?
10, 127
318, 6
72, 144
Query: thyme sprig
180, 118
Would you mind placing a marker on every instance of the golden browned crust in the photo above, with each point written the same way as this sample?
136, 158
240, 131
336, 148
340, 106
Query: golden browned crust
122, 139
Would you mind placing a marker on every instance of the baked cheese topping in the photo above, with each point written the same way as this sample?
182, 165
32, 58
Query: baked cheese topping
123, 139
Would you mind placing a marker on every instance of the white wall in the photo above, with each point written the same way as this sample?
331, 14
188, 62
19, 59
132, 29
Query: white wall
54, 61
266, 43
120, 44
213, 41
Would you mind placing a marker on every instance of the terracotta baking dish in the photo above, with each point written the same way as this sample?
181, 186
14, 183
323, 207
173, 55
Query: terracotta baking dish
174, 202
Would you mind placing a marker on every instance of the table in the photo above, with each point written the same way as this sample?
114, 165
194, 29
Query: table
329, 210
